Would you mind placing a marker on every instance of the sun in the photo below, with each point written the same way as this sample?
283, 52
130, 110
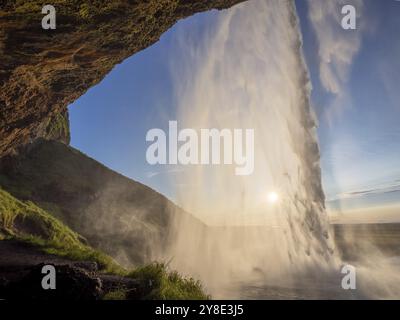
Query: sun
272, 197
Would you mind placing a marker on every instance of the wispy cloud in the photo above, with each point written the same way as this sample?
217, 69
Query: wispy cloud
152, 174
383, 188
337, 47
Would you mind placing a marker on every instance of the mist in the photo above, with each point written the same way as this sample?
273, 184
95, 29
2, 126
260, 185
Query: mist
247, 72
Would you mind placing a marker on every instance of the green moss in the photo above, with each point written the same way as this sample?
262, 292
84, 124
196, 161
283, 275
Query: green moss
85, 11
169, 285
54, 237
57, 128
27, 6
115, 295
81, 9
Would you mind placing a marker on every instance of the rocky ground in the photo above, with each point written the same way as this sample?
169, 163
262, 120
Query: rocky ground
20, 276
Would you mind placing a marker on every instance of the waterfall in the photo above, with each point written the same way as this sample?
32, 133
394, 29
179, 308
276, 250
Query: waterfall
247, 71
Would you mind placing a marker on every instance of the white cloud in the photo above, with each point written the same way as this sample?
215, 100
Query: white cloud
152, 174
337, 48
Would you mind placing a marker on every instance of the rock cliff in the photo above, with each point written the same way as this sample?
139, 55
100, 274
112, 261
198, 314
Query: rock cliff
43, 71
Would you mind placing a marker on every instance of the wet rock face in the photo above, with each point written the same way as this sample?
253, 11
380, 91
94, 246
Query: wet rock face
43, 71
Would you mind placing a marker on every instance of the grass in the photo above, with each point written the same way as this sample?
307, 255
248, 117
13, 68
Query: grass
58, 239
58, 126
82, 9
50, 235
169, 285
115, 295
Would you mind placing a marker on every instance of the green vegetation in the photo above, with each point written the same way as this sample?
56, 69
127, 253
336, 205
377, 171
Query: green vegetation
164, 284
115, 295
58, 127
82, 9
26, 222
169, 285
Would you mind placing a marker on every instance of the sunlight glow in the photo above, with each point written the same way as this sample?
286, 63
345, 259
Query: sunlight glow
273, 197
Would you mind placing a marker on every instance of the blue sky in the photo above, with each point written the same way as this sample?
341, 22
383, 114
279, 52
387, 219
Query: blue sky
360, 145
359, 127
